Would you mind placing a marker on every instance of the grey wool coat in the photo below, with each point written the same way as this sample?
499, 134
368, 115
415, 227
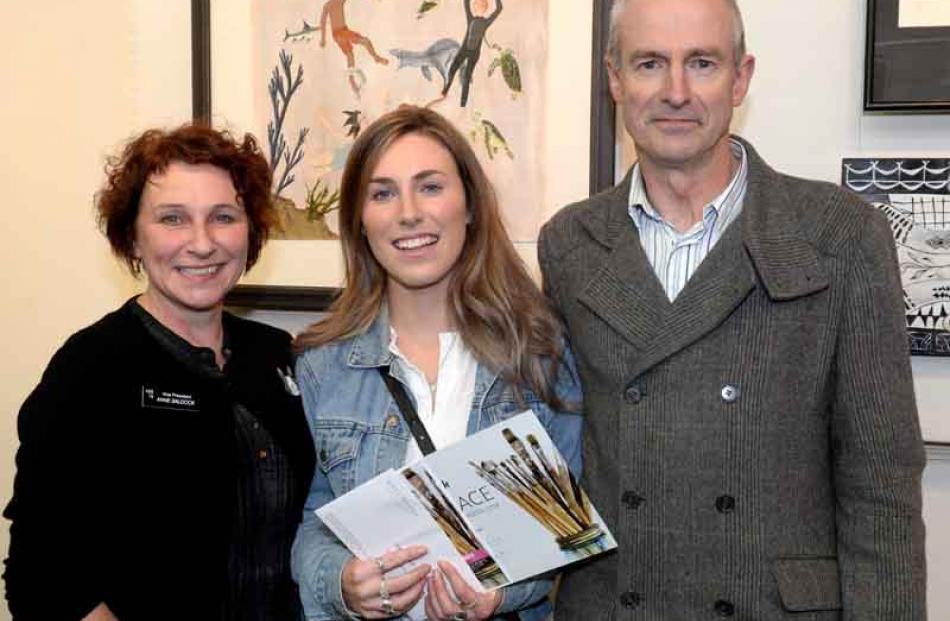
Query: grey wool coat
753, 445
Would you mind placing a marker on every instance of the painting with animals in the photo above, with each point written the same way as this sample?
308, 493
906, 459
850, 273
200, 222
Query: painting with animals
327, 68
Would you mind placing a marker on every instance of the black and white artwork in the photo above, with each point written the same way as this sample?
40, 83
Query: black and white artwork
914, 194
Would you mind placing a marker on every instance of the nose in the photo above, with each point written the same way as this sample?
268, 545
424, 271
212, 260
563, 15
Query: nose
201, 243
409, 212
677, 92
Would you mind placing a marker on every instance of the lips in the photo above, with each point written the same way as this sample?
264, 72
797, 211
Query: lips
415, 242
675, 121
207, 270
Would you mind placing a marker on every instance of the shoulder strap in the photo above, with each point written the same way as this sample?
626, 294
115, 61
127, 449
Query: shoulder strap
416, 427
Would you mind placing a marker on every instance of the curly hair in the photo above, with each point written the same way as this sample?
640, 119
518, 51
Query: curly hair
500, 313
151, 152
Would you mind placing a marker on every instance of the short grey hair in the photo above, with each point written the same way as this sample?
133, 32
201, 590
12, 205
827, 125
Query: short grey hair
613, 31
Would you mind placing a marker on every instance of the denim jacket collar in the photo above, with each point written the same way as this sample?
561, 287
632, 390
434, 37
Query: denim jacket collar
371, 350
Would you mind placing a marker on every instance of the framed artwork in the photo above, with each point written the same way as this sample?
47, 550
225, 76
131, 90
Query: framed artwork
914, 194
603, 117
319, 72
907, 60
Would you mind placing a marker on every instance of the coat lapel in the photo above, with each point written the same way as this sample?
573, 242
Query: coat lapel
765, 247
625, 293
721, 282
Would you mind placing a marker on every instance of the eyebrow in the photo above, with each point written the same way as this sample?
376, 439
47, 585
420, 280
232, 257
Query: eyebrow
422, 174
692, 53
183, 206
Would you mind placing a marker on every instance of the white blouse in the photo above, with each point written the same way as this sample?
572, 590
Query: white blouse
444, 407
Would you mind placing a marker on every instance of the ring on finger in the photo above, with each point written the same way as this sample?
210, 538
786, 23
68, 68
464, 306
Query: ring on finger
384, 590
459, 616
379, 563
387, 606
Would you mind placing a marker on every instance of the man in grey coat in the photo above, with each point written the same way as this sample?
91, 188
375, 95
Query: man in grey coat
751, 434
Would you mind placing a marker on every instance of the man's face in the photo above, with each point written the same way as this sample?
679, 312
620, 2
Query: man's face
678, 81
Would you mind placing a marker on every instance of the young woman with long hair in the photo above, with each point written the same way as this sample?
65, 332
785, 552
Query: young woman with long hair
438, 298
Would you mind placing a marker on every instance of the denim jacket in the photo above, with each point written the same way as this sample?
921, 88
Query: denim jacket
359, 432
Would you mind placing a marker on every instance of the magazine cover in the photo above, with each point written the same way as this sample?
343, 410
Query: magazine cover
517, 499
501, 505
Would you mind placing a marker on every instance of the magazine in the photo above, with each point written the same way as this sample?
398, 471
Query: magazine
500, 505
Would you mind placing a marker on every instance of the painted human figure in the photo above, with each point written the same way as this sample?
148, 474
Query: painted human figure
476, 12
345, 38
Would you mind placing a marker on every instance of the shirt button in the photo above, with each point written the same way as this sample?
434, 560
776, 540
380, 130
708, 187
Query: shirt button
632, 394
729, 393
629, 599
725, 504
724, 608
262, 454
631, 499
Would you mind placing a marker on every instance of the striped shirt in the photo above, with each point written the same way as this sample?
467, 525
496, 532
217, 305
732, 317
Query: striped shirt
675, 255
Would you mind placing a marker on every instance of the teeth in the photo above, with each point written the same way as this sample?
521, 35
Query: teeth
415, 242
199, 271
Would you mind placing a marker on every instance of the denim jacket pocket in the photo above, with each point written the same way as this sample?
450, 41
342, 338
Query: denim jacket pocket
337, 446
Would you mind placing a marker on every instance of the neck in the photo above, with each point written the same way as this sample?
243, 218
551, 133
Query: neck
418, 316
199, 328
680, 193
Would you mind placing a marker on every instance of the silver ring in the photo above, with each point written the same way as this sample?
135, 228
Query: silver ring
383, 590
379, 563
387, 605
459, 616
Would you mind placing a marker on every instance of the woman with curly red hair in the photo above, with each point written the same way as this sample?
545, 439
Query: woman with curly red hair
164, 458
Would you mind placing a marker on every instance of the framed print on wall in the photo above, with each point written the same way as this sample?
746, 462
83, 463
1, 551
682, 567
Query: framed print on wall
306, 77
907, 60
914, 194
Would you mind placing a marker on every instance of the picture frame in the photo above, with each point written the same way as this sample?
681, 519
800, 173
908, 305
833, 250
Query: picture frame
907, 57
283, 297
914, 196
603, 118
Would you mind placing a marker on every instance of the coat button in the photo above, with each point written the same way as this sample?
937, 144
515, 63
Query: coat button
632, 394
729, 393
631, 499
323, 455
262, 454
629, 599
724, 608
392, 421
725, 504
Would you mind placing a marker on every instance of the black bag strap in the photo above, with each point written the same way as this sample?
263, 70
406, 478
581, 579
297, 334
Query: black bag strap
416, 427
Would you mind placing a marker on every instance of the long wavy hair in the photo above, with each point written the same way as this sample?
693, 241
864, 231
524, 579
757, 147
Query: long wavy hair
498, 310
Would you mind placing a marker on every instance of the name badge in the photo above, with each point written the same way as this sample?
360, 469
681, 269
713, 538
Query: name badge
168, 400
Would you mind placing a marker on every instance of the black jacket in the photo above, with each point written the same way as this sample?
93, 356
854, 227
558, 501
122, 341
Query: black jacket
126, 471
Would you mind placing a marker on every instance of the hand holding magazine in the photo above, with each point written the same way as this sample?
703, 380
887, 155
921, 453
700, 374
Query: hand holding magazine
500, 505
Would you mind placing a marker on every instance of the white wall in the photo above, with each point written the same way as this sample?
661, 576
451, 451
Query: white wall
79, 77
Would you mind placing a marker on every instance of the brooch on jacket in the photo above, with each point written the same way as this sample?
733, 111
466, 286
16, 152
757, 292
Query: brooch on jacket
287, 377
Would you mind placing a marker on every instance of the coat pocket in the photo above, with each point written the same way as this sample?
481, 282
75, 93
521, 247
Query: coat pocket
808, 583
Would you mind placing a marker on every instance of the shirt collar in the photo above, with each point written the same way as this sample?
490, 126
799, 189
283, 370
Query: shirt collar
197, 359
639, 205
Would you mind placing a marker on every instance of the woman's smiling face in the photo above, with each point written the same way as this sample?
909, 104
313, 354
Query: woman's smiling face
414, 213
191, 235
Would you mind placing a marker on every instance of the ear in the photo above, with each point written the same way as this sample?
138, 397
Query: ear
744, 71
614, 78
